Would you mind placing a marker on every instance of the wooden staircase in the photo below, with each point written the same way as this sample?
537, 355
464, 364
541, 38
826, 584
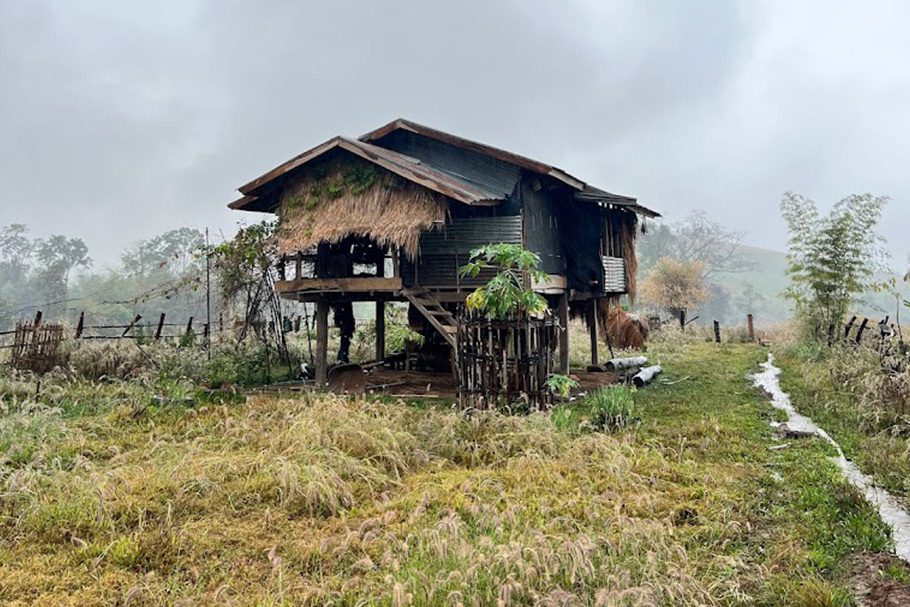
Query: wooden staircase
441, 319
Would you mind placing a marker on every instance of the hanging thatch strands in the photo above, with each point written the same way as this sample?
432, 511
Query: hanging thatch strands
628, 234
620, 328
330, 202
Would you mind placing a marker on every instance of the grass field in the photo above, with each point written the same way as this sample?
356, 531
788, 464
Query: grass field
108, 497
830, 390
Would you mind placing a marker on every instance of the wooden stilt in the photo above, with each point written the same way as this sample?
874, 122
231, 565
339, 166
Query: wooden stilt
563, 312
380, 330
322, 342
592, 327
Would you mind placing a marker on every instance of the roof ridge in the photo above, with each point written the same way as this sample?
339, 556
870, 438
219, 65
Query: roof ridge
475, 146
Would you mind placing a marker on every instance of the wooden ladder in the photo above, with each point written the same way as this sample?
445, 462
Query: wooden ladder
441, 319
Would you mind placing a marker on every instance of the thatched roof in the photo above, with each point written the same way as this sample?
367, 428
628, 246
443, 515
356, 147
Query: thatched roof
351, 197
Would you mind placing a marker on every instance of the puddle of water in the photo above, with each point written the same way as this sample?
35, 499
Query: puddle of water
888, 508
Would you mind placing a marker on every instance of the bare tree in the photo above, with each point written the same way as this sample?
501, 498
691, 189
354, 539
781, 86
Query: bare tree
719, 249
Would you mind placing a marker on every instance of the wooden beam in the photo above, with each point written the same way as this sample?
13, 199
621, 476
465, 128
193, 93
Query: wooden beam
592, 327
365, 284
322, 342
563, 311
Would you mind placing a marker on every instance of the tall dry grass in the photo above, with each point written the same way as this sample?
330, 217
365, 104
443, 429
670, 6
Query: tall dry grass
322, 499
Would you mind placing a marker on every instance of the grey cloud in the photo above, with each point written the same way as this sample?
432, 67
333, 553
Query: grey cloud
121, 119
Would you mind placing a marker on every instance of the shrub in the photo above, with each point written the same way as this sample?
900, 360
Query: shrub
561, 385
612, 409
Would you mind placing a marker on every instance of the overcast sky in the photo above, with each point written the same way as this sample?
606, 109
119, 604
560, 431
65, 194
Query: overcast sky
119, 120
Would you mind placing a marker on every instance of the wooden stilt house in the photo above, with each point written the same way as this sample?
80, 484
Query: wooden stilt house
392, 215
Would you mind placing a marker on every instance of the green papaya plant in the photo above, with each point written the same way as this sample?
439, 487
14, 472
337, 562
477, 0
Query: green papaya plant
508, 294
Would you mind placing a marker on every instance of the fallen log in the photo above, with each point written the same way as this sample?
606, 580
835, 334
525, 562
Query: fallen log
619, 364
645, 376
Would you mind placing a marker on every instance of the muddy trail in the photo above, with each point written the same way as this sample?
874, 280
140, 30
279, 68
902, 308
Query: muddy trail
890, 510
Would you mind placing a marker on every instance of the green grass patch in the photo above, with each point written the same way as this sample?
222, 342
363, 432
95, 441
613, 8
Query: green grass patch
318, 499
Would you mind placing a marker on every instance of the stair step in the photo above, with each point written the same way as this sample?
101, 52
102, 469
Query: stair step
431, 308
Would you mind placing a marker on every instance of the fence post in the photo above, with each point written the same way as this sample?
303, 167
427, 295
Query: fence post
160, 326
859, 332
131, 325
716, 332
189, 326
849, 326
750, 327
37, 318
80, 326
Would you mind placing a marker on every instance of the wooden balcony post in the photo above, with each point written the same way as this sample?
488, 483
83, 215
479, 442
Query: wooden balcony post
563, 311
380, 330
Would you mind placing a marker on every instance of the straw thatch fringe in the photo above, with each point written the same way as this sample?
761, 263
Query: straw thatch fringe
351, 198
625, 330
628, 234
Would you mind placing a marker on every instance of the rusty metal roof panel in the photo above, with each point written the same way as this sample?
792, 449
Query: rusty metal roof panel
467, 171
405, 166
596, 195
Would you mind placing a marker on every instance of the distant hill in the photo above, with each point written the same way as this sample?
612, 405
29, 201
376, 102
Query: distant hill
760, 291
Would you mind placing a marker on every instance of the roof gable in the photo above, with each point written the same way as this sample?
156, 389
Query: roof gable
404, 166
481, 148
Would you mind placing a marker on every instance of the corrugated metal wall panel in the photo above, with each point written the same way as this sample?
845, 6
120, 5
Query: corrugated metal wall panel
614, 275
462, 235
542, 229
444, 251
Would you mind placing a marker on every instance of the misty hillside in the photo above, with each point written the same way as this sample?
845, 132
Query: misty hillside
760, 289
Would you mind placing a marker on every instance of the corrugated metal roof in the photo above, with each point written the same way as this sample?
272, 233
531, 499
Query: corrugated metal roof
462, 179
406, 167
482, 148
488, 172
592, 194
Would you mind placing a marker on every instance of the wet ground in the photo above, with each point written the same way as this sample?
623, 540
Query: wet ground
891, 511
434, 384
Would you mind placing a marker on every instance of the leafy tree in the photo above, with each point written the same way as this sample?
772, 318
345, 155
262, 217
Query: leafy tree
243, 267
174, 252
508, 293
675, 285
58, 256
15, 251
832, 258
15, 256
